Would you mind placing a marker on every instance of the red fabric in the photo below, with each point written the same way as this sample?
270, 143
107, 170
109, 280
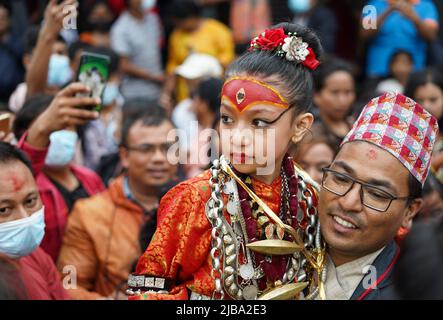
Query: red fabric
41, 278
311, 61
56, 211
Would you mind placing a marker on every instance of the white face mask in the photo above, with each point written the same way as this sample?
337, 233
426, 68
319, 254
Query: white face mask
62, 148
21, 237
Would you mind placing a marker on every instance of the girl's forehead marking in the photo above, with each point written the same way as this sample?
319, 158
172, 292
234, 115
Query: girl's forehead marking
243, 93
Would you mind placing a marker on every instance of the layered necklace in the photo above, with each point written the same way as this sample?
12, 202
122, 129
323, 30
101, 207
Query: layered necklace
247, 274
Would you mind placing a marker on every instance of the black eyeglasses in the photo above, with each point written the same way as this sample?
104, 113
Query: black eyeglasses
150, 148
371, 196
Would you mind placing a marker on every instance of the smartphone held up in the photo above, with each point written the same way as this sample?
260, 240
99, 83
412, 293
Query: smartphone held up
93, 72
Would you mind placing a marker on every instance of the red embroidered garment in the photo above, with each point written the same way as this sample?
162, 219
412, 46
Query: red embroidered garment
180, 247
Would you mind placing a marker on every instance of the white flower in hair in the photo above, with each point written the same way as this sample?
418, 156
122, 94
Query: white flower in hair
295, 48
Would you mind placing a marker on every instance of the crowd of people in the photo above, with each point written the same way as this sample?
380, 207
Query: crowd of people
94, 196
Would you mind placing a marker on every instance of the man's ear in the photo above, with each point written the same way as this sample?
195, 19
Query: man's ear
124, 153
411, 211
302, 124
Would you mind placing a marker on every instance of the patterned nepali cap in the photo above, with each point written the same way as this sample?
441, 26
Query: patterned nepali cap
400, 126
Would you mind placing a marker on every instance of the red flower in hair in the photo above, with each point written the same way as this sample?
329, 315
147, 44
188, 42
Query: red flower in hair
269, 40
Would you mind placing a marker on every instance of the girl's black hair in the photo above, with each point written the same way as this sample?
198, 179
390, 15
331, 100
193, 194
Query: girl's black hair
421, 78
327, 68
294, 79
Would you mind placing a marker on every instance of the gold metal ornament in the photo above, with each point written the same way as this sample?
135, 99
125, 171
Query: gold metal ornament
274, 247
285, 292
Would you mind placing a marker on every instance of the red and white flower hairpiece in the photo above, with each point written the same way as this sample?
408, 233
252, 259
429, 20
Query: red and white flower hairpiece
290, 46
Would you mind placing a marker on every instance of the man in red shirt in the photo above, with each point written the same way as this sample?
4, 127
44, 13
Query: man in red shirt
22, 228
22, 223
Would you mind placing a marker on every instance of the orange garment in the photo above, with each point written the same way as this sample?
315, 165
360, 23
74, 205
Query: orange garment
181, 245
212, 38
102, 242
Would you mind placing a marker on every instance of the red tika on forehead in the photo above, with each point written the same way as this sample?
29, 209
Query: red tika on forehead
243, 93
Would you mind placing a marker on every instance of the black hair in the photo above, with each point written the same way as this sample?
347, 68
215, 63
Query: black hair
327, 68
417, 269
294, 78
10, 153
415, 188
421, 78
185, 9
32, 108
149, 113
7, 5
75, 47
209, 91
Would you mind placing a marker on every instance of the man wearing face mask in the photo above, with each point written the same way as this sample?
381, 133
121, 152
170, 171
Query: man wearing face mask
317, 17
136, 36
50, 144
22, 228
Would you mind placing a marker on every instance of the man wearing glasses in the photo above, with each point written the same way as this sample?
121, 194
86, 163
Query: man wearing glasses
106, 234
371, 190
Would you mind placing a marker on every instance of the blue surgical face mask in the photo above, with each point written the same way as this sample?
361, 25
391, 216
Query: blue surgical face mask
62, 148
110, 94
59, 71
148, 4
299, 6
19, 238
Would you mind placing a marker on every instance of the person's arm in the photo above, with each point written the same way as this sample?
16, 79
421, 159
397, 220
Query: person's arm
369, 33
64, 111
127, 67
180, 246
78, 251
61, 113
37, 73
167, 94
427, 30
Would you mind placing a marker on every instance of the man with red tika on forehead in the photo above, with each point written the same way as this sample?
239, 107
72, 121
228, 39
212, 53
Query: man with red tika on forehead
248, 227
372, 189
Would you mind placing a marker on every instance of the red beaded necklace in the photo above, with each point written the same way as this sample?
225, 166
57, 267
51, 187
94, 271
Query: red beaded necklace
273, 267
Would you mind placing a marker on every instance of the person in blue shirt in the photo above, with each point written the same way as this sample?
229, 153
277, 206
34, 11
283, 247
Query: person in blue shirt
401, 24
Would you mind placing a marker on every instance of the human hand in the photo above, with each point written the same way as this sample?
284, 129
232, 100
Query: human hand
55, 15
406, 9
65, 111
